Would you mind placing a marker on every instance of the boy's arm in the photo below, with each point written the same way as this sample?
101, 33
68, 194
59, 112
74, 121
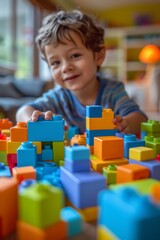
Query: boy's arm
24, 113
130, 123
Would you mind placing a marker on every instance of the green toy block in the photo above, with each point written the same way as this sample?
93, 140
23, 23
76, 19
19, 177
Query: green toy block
40, 205
58, 151
150, 126
3, 157
110, 173
143, 186
154, 143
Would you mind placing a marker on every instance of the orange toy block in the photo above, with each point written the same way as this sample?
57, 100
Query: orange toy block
19, 133
98, 164
12, 147
57, 231
106, 122
155, 193
131, 172
9, 205
3, 144
23, 173
5, 123
109, 147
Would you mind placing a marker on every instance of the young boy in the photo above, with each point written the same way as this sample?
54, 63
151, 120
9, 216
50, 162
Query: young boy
72, 43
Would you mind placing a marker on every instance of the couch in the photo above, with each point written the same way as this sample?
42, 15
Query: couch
16, 92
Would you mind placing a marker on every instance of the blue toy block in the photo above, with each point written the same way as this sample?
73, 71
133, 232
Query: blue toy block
71, 132
73, 219
82, 188
47, 153
25, 184
128, 214
120, 134
77, 166
26, 155
76, 152
130, 141
90, 134
4, 170
94, 111
143, 134
153, 165
46, 130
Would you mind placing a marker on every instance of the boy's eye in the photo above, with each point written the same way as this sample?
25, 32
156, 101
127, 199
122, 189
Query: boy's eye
55, 63
76, 55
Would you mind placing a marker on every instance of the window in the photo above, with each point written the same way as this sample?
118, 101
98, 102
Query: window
19, 21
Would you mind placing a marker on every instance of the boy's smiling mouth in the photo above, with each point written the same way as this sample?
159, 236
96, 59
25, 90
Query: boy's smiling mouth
71, 78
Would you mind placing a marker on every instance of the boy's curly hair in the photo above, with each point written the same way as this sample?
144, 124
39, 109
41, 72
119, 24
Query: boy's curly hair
57, 26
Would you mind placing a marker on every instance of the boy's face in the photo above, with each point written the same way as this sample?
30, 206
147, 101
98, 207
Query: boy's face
73, 66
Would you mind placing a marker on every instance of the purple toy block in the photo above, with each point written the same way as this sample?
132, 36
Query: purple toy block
77, 166
82, 188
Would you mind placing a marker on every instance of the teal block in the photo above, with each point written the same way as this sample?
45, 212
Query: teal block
128, 214
26, 155
75, 153
73, 219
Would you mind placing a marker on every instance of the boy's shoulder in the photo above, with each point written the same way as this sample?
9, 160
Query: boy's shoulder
111, 83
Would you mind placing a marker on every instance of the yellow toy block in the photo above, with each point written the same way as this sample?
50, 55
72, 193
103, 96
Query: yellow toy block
104, 234
131, 172
6, 132
98, 164
9, 206
23, 173
56, 231
141, 153
106, 122
108, 147
12, 146
19, 133
38, 147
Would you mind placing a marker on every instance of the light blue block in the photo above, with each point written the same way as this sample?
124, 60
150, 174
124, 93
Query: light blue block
90, 134
73, 219
74, 153
77, 166
130, 141
153, 165
82, 188
4, 170
128, 214
94, 111
26, 155
46, 130
47, 154
71, 132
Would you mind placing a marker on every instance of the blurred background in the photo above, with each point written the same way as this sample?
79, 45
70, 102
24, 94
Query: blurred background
129, 27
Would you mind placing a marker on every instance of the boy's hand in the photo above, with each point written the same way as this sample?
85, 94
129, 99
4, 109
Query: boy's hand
35, 115
122, 124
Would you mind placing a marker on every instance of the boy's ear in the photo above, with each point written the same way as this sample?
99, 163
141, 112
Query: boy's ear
101, 55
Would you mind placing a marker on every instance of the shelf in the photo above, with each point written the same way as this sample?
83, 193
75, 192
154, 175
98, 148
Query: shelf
123, 48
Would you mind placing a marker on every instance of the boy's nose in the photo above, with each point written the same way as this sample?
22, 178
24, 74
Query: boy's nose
67, 66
